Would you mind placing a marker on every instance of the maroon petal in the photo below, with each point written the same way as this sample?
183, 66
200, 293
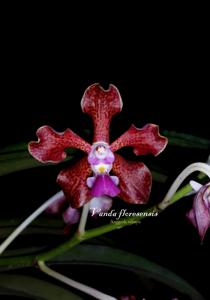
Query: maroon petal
73, 183
145, 140
51, 144
135, 180
202, 211
101, 105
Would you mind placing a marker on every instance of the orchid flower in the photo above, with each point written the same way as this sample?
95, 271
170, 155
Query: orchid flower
199, 215
90, 178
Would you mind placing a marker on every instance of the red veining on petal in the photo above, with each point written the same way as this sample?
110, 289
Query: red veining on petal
101, 105
51, 144
135, 180
73, 183
145, 140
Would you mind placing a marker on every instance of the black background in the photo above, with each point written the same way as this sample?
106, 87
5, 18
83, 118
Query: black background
167, 84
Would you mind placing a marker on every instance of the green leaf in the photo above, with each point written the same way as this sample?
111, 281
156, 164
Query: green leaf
85, 254
186, 140
14, 162
6, 231
50, 226
157, 176
23, 146
47, 221
18, 161
143, 268
44, 225
25, 286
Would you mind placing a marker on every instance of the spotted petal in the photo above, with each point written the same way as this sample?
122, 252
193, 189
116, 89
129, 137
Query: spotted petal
145, 140
51, 144
101, 105
73, 183
135, 180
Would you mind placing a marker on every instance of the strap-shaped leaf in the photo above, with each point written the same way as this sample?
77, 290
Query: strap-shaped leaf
143, 268
34, 288
184, 140
19, 161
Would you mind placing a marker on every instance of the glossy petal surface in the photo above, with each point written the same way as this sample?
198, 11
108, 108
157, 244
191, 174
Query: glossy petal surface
135, 180
146, 140
73, 183
101, 105
51, 145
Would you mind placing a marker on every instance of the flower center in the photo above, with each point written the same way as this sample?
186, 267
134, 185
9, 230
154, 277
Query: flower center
102, 169
100, 152
101, 158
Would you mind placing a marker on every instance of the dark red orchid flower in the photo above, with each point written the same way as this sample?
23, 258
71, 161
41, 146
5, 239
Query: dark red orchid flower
90, 177
199, 215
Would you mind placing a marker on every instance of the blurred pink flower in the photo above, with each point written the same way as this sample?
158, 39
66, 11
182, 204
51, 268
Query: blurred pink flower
199, 215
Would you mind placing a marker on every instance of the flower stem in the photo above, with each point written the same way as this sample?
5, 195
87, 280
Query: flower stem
89, 234
169, 198
83, 219
92, 233
30, 219
77, 285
